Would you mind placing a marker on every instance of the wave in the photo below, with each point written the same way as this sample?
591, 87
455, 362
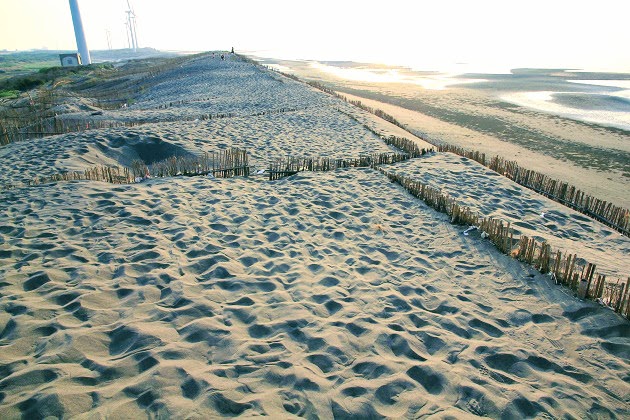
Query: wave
603, 109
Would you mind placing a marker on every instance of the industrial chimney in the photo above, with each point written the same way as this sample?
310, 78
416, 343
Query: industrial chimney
79, 34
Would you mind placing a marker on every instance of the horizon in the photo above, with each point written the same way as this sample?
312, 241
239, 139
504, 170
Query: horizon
486, 35
450, 70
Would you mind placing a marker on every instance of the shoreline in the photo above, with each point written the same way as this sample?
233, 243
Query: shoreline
599, 184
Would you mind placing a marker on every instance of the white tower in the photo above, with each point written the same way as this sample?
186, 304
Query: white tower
79, 34
131, 27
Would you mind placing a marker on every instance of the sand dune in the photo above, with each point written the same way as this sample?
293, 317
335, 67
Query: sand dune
298, 121
315, 132
321, 295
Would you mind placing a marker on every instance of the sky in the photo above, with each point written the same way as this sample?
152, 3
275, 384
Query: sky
429, 35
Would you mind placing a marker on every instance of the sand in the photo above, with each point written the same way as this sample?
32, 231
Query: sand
321, 295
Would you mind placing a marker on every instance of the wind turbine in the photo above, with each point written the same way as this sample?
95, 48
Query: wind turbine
79, 33
127, 33
108, 34
131, 26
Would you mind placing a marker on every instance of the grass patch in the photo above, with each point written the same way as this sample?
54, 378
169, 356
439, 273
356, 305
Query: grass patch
9, 94
44, 75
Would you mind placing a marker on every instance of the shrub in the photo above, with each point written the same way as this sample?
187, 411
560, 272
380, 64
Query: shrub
9, 93
27, 83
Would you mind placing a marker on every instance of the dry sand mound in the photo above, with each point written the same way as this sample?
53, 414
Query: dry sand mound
320, 295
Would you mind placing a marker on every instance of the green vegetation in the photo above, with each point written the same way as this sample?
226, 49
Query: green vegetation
25, 82
23, 62
28, 60
9, 94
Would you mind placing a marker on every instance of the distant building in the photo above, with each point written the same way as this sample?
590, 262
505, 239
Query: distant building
70, 60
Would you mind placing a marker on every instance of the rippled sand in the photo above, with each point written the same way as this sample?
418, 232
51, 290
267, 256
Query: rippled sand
323, 295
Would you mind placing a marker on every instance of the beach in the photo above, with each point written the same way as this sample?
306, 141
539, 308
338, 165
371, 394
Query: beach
330, 294
509, 115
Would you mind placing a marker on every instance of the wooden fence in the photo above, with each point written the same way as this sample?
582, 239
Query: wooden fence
223, 164
605, 212
292, 165
564, 268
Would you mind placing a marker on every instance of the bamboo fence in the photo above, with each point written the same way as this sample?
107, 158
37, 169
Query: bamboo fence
408, 146
565, 268
223, 164
292, 165
605, 212
111, 174
11, 131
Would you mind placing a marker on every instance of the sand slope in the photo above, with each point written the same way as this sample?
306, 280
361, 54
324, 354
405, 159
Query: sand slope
322, 295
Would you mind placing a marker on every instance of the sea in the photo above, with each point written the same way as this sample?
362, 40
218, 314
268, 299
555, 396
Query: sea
605, 102
597, 97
